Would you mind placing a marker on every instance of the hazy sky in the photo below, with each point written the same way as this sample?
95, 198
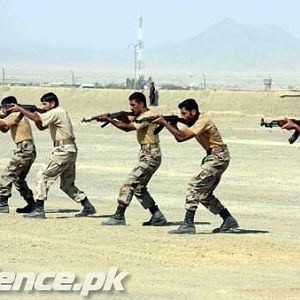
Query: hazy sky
112, 24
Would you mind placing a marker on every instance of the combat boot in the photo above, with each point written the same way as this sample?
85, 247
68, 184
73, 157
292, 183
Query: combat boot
118, 218
157, 219
187, 227
28, 208
88, 209
229, 225
38, 212
4, 208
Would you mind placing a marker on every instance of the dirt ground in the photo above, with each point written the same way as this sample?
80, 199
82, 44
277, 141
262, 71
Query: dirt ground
260, 188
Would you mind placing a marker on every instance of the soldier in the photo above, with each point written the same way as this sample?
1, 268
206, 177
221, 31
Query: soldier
201, 187
152, 94
149, 162
63, 158
21, 162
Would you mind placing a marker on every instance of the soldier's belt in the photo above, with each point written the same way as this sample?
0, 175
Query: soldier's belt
63, 142
149, 146
216, 149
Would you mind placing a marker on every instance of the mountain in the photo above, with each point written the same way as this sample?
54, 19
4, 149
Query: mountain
228, 45
225, 46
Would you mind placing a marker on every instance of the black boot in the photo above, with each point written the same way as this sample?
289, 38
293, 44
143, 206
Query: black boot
187, 226
118, 218
157, 218
88, 209
28, 208
4, 208
38, 212
229, 223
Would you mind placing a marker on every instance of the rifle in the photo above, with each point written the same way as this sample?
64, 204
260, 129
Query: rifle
280, 123
116, 115
29, 107
170, 119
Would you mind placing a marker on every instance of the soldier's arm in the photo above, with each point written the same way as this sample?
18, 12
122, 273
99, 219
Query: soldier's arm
33, 116
180, 135
290, 125
119, 124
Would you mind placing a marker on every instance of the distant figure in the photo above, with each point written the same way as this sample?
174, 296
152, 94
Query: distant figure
152, 95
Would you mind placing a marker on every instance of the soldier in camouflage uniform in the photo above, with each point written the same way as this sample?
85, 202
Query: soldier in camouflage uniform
201, 187
20, 164
149, 162
63, 158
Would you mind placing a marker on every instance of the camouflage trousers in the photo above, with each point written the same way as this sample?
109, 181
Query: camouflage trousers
137, 180
61, 164
17, 170
201, 186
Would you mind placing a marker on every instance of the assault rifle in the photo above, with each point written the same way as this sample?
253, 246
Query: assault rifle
280, 123
120, 115
170, 119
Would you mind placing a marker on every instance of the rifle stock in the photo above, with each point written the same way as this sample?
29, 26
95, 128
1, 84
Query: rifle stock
170, 119
280, 123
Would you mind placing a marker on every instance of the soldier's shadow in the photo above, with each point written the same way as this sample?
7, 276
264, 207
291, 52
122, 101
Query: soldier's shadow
61, 210
237, 231
73, 216
174, 223
101, 216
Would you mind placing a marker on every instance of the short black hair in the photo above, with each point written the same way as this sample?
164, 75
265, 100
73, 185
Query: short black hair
48, 97
189, 104
9, 100
138, 97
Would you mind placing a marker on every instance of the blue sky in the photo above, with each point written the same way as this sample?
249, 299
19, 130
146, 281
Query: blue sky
111, 24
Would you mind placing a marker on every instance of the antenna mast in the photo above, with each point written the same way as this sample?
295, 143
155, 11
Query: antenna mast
140, 49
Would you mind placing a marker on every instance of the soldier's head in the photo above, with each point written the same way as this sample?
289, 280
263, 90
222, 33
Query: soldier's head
9, 100
137, 102
5, 102
189, 110
49, 101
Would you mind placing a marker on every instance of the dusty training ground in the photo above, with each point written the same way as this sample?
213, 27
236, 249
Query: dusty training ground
261, 189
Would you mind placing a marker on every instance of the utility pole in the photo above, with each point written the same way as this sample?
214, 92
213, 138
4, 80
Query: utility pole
3, 75
140, 49
204, 80
73, 78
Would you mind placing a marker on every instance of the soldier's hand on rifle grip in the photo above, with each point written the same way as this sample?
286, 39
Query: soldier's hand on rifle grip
14, 108
289, 125
160, 120
103, 118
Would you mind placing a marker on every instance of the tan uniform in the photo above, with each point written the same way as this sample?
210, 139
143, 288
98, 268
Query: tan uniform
22, 160
201, 186
63, 157
149, 161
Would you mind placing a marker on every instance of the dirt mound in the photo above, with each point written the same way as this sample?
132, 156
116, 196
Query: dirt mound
90, 101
